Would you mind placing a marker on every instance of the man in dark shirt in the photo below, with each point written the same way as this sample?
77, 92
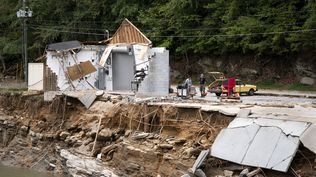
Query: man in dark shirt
202, 81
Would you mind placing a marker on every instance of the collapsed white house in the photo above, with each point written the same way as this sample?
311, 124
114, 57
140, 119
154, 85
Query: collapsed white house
126, 62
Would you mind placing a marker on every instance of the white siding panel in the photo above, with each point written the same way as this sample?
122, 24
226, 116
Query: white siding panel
35, 76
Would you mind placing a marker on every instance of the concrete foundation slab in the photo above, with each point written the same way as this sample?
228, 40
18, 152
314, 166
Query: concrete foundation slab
232, 143
309, 139
264, 143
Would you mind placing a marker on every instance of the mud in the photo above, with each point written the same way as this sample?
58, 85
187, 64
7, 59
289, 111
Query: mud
114, 137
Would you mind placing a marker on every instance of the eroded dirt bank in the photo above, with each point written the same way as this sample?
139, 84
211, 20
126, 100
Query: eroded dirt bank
133, 139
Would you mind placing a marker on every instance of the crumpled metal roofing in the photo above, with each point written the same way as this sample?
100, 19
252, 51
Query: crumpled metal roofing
64, 46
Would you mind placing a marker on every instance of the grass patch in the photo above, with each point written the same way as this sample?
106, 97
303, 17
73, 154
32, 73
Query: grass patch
279, 86
269, 85
12, 90
301, 87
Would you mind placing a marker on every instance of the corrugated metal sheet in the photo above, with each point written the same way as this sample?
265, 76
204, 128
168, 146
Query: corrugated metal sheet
130, 34
64, 46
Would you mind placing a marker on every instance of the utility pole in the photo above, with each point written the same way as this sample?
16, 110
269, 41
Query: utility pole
24, 14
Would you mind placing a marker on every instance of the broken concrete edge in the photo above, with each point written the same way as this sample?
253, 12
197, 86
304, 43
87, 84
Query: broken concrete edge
86, 97
286, 95
307, 139
152, 101
225, 110
268, 122
243, 113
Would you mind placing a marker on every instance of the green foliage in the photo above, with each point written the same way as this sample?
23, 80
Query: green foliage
279, 86
194, 27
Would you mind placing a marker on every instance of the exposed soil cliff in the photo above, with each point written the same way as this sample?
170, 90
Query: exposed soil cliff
115, 137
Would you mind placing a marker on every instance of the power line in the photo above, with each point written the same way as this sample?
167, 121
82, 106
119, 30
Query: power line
78, 21
193, 36
66, 27
185, 29
237, 35
73, 32
252, 26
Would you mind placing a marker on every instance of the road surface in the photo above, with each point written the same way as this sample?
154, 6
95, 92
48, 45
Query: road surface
264, 99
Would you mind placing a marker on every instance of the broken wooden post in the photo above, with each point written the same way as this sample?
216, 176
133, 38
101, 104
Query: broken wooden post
96, 136
64, 111
254, 172
146, 118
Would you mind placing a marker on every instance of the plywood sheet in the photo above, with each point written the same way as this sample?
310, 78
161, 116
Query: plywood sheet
78, 71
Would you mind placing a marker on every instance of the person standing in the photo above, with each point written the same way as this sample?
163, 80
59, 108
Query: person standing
188, 85
202, 81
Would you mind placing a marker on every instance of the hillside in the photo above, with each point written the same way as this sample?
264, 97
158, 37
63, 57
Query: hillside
278, 32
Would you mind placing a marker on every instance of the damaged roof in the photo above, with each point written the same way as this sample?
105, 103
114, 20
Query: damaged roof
129, 34
64, 46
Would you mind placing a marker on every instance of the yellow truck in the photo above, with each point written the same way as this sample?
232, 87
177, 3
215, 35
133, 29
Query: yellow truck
219, 80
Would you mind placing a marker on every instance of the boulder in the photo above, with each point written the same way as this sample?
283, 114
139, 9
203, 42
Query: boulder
63, 135
93, 130
127, 133
165, 146
105, 134
132, 167
199, 173
244, 172
24, 130
107, 149
307, 81
39, 136
84, 166
219, 64
248, 71
179, 141
176, 74
228, 173
141, 135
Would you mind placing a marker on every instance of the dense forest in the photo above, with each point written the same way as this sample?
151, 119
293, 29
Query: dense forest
185, 27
